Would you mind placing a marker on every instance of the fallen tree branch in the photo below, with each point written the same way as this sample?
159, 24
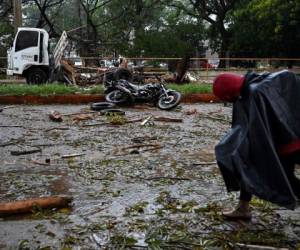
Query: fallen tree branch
215, 118
40, 163
134, 120
167, 119
11, 142
11, 126
71, 155
168, 178
141, 139
9, 107
25, 152
95, 124
205, 163
150, 148
258, 247
26, 206
57, 128
80, 113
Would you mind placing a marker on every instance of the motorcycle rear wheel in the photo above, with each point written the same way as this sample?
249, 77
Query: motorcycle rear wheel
170, 101
117, 97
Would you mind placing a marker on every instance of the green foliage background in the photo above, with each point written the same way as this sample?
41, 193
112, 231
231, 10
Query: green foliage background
170, 28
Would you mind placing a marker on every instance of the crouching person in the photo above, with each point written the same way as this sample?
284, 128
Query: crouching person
258, 155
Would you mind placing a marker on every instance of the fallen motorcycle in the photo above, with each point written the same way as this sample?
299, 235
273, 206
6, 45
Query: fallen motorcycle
123, 91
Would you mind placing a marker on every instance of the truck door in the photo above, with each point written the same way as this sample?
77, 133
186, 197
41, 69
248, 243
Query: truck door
27, 50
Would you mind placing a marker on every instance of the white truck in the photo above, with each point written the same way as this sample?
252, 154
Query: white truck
29, 56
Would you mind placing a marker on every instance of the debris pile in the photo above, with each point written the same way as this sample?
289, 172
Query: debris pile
91, 75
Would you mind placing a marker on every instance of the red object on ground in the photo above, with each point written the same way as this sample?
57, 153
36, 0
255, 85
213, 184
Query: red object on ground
227, 86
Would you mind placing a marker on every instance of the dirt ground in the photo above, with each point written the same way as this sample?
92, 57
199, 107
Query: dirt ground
134, 187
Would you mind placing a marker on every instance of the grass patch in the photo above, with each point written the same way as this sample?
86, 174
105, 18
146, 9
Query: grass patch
191, 88
61, 89
47, 89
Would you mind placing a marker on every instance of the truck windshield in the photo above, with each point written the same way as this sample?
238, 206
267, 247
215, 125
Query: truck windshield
26, 39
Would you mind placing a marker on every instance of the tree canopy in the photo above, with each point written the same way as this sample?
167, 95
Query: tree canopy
266, 29
170, 28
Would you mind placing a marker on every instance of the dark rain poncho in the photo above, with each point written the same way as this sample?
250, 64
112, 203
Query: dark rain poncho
266, 120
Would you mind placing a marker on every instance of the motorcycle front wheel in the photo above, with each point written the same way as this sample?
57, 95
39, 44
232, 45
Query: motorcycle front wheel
170, 101
117, 97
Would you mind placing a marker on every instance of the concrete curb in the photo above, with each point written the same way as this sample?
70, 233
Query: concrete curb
81, 99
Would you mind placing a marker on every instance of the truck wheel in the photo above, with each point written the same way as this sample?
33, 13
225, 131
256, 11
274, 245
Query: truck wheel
36, 76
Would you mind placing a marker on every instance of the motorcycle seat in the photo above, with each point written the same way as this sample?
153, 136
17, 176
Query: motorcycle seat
133, 86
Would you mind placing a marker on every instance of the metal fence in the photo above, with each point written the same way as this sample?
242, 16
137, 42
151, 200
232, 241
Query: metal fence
203, 69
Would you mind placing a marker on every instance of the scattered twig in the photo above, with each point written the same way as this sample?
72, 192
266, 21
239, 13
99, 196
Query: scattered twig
80, 113
134, 120
215, 118
185, 243
167, 119
168, 178
9, 107
40, 163
95, 124
136, 247
57, 128
150, 148
107, 123
45, 145
26, 152
258, 247
145, 121
204, 163
82, 117
177, 141
97, 241
71, 155
11, 126
141, 139
166, 246
11, 142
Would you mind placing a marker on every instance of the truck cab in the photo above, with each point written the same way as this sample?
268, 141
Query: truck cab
29, 56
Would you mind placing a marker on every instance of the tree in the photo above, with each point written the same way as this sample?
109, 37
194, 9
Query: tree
176, 36
278, 34
6, 28
217, 14
41, 14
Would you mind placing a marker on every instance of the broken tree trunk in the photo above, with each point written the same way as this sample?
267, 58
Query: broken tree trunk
27, 206
25, 152
181, 69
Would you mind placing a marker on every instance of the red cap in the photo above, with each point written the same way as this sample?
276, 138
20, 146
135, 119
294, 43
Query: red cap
227, 86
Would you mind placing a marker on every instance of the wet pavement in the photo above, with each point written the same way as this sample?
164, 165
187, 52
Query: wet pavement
134, 187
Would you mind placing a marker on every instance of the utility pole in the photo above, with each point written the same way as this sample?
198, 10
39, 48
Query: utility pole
17, 4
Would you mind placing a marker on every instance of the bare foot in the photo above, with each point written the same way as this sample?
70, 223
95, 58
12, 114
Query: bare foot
237, 214
241, 212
